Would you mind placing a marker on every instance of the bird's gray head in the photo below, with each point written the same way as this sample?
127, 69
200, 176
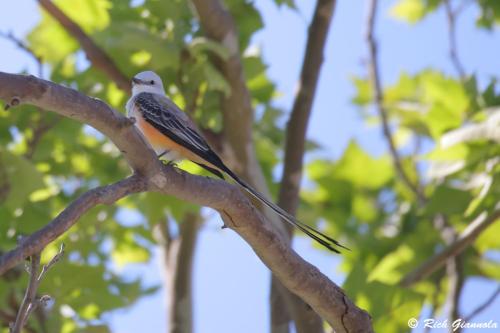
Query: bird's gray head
147, 81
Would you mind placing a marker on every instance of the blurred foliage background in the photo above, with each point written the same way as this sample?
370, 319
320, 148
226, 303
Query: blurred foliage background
445, 130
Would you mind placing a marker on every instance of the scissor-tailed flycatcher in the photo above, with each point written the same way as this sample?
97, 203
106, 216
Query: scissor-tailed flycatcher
171, 133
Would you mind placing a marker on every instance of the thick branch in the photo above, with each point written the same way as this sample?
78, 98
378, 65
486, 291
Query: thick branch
466, 238
300, 277
379, 101
94, 53
305, 320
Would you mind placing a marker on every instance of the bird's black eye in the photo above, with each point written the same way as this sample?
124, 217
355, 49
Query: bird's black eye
152, 81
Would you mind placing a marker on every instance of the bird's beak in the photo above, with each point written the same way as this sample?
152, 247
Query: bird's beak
136, 81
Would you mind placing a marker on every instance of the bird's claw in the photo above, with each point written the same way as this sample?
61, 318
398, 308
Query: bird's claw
169, 163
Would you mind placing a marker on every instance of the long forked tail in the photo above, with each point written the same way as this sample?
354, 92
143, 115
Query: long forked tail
318, 236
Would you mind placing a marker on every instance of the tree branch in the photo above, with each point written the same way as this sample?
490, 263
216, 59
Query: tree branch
29, 296
300, 277
379, 101
40, 128
483, 306
299, 118
454, 271
20, 44
95, 54
178, 265
30, 303
451, 16
466, 238
288, 199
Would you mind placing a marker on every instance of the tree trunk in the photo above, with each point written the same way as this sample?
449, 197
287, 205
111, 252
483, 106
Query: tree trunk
178, 266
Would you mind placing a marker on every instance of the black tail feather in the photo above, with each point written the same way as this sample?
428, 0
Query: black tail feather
318, 236
212, 170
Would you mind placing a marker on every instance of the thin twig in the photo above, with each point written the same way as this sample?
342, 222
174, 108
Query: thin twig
473, 230
379, 102
451, 17
55, 259
22, 45
39, 130
30, 303
29, 296
483, 306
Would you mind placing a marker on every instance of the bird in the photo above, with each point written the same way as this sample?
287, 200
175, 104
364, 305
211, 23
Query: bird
174, 136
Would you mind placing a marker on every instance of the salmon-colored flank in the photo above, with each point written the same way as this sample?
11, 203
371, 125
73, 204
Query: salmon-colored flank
160, 141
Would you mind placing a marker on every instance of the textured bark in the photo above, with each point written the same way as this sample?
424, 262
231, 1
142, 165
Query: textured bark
297, 275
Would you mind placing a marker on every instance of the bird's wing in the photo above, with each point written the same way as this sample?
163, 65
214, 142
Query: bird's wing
166, 117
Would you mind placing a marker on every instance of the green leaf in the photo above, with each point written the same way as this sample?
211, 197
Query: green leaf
389, 268
128, 251
489, 240
289, 3
364, 93
448, 200
413, 11
489, 268
364, 208
490, 14
359, 168
132, 37
215, 79
202, 44
247, 19
95, 329
90, 15
23, 178
410, 11
50, 41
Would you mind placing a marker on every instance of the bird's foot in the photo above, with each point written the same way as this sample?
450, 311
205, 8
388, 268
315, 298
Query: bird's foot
162, 154
127, 122
170, 164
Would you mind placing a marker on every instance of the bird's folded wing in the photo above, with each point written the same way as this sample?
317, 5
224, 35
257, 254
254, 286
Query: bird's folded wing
166, 117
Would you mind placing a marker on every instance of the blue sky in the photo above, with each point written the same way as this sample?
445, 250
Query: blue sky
231, 284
